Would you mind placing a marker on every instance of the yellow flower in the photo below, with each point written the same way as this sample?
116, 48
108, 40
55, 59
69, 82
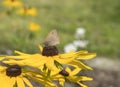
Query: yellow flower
51, 59
13, 75
67, 73
71, 76
31, 11
12, 3
34, 27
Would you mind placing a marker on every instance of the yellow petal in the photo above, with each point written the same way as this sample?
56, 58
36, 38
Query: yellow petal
80, 65
64, 61
82, 85
72, 54
12, 81
79, 78
3, 81
85, 78
44, 81
20, 82
27, 82
14, 62
82, 52
20, 53
67, 55
68, 69
9, 82
50, 63
86, 56
2, 68
75, 71
36, 62
55, 71
17, 57
62, 82
40, 47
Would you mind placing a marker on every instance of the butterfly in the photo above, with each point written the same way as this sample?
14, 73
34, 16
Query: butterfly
52, 38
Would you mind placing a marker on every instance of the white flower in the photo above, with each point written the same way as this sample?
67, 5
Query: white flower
70, 47
80, 43
80, 32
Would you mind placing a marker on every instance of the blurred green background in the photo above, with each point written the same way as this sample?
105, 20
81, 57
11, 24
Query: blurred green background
100, 18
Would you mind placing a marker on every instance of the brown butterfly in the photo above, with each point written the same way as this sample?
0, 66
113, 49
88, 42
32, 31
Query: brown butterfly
52, 38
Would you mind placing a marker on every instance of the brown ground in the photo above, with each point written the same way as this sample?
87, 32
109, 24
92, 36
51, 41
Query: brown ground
103, 78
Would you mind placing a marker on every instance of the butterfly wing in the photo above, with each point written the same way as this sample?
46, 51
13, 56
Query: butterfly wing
52, 38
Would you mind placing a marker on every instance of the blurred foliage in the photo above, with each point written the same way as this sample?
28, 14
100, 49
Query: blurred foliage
100, 18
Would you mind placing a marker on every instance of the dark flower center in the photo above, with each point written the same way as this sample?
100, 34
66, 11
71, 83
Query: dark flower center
64, 73
50, 51
13, 0
13, 71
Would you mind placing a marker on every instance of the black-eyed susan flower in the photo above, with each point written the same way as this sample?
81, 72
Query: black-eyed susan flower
50, 64
12, 3
13, 75
67, 73
51, 58
30, 11
34, 26
70, 75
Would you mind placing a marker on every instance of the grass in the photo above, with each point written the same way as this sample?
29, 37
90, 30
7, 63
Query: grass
100, 18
